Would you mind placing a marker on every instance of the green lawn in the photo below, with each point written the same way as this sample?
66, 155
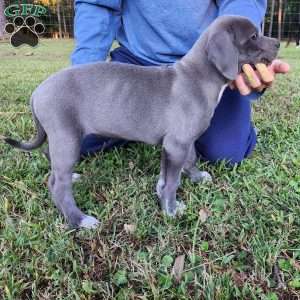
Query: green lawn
247, 248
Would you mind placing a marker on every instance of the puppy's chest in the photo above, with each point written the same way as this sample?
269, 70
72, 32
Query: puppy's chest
195, 116
221, 92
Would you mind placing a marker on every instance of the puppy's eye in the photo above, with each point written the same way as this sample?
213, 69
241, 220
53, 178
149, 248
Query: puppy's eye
254, 36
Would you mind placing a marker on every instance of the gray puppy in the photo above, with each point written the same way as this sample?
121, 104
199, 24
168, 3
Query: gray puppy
167, 105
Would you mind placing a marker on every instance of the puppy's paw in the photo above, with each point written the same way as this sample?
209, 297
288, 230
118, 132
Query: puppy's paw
75, 177
180, 208
201, 176
177, 211
89, 222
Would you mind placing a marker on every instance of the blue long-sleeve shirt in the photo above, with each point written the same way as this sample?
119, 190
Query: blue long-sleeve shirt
158, 31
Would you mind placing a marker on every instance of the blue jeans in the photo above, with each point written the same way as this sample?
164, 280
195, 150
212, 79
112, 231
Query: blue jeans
230, 136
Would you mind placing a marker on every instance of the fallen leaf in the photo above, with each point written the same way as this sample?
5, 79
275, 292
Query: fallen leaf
131, 165
129, 228
239, 278
204, 213
178, 266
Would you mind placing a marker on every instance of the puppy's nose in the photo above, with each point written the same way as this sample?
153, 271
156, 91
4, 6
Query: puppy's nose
277, 44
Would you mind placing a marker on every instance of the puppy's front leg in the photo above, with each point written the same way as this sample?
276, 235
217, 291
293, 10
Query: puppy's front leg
192, 171
162, 180
173, 158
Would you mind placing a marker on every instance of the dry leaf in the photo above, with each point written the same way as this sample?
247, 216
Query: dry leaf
129, 228
239, 278
178, 266
204, 213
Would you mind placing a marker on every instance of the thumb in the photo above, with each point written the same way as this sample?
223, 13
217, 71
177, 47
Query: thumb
279, 66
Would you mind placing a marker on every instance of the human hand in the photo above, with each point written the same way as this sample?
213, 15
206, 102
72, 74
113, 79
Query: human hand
258, 82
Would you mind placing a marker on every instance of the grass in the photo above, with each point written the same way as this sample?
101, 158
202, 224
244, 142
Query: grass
245, 243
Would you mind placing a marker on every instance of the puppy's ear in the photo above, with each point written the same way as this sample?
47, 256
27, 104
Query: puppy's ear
223, 54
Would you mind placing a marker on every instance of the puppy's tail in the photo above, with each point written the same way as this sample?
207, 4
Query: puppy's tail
36, 142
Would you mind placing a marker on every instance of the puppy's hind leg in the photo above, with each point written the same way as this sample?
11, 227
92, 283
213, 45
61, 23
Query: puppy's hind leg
75, 176
64, 152
192, 171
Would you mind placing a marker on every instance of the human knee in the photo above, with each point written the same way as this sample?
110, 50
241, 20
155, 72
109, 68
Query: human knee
230, 156
231, 153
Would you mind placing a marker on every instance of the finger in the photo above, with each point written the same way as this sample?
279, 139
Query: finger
279, 66
251, 76
266, 75
241, 85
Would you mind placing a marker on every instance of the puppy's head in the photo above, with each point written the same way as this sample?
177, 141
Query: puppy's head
233, 41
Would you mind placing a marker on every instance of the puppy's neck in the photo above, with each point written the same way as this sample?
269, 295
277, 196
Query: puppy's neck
195, 64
